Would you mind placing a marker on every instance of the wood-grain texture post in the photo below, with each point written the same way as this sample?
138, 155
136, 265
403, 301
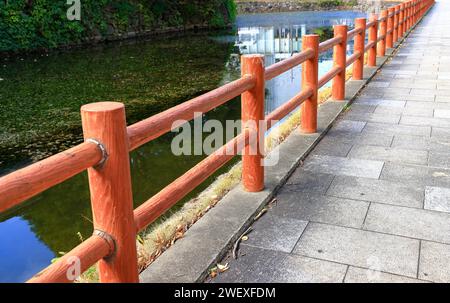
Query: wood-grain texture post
419, 10
409, 14
339, 59
416, 11
373, 35
310, 79
418, 4
396, 27
410, 9
381, 45
401, 18
110, 187
252, 117
390, 28
358, 65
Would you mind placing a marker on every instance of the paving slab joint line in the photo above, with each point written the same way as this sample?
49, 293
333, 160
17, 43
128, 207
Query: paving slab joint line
223, 251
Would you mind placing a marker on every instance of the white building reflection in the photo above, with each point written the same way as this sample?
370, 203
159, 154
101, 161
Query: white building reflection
279, 42
276, 43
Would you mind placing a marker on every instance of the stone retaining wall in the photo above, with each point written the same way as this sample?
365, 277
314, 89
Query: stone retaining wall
249, 7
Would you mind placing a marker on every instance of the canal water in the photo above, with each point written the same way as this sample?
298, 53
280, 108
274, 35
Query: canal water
40, 97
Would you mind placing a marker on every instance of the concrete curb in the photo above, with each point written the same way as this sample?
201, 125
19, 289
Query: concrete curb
211, 238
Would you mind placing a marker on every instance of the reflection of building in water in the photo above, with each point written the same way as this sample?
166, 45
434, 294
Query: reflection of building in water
277, 37
280, 41
276, 43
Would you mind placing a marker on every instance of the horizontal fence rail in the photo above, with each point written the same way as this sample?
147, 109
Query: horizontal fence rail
108, 142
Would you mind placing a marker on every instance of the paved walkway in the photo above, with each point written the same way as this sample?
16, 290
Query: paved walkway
372, 201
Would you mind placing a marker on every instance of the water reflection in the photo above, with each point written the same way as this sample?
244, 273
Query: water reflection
54, 221
21, 253
278, 36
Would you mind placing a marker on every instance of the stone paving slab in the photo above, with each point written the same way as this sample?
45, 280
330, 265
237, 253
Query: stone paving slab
443, 98
276, 233
351, 139
441, 133
421, 143
363, 275
343, 166
380, 191
381, 102
424, 106
370, 117
439, 159
437, 198
409, 222
302, 181
405, 111
442, 113
394, 129
419, 98
425, 121
434, 262
319, 208
378, 84
397, 84
332, 148
361, 248
389, 154
430, 92
258, 265
415, 174
361, 108
348, 126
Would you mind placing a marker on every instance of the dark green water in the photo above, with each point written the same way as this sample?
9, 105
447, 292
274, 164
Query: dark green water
40, 97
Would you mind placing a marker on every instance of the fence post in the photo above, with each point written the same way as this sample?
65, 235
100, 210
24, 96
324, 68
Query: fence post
252, 115
339, 59
401, 18
419, 10
373, 35
422, 9
390, 28
381, 45
310, 79
411, 16
395, 32
358, 65
416, 10
410, 13
110, 187
419, 3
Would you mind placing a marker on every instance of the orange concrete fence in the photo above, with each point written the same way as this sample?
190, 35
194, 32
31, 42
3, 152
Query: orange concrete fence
108, 141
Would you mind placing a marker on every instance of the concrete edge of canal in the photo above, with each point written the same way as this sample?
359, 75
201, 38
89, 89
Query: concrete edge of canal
210, 239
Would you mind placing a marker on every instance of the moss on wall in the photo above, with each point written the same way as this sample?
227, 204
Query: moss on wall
32, 24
